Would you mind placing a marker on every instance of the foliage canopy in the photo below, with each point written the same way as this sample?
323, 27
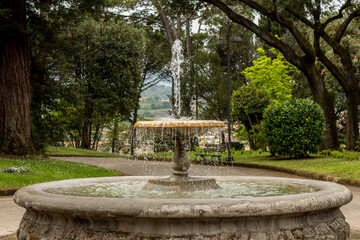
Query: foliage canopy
272, 74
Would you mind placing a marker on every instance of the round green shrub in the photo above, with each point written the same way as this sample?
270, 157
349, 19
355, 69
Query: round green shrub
294, 128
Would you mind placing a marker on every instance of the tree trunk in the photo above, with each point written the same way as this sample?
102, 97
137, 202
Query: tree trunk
197, 101
15, 96
188, 38
88, 115
251, 139
166, 25
86, 135
133, 133
86, 128
326, 102
97, 128
116, 147
352, 118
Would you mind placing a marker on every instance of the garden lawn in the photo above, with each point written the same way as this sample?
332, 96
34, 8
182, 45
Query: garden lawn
45, 170
336, 167
81, 152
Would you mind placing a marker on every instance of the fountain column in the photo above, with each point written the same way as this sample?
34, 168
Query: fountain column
180, 160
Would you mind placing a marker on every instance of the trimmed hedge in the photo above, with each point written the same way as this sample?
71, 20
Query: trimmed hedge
294, 128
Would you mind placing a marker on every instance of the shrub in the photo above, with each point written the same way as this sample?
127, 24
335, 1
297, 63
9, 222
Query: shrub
237, 146
294, 127
247, 106
337, 154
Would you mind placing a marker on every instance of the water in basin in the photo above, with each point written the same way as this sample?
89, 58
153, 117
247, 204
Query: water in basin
133, 189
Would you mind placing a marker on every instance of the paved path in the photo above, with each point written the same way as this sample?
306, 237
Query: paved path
11, 214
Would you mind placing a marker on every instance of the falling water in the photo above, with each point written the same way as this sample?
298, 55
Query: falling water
177, 72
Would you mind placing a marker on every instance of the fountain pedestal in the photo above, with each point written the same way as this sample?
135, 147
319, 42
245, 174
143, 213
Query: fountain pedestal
179, 181
180, 160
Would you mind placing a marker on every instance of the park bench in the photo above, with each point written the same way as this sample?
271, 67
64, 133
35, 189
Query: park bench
211, 154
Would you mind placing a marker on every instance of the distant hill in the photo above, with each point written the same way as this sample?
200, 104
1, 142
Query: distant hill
161, 91
157, 103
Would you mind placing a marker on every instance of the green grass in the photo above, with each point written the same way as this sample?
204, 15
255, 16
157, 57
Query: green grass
84, 152
336, 167
45, 170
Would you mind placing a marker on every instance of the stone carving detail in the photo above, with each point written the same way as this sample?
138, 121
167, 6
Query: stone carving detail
319, 226
308, 216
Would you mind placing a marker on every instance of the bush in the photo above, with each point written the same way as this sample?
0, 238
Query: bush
294, 128
338, 154
237, 146
247, 106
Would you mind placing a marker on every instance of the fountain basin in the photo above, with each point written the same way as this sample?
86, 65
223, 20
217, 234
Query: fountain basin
187, 128
314, 215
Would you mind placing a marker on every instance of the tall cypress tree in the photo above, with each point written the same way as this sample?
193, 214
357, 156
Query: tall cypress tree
15, 93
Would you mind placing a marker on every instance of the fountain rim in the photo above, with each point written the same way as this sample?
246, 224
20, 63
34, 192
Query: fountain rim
330, 195
179, 124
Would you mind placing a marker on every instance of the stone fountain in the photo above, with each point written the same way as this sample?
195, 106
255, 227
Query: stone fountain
310, 216
77, 209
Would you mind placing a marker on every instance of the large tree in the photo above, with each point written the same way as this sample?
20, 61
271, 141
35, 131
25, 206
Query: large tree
15, 97
317, 17
16, 136
97, 66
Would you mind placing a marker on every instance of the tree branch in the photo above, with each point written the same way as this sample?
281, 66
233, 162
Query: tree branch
340, 32
276, 9
141, 18
165, 22
301, 18
285, 49
338, 16
151, 84
327, 63
299, 37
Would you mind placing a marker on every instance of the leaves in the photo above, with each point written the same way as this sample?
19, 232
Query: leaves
272, 74
249, 101
294, 127
99, 64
